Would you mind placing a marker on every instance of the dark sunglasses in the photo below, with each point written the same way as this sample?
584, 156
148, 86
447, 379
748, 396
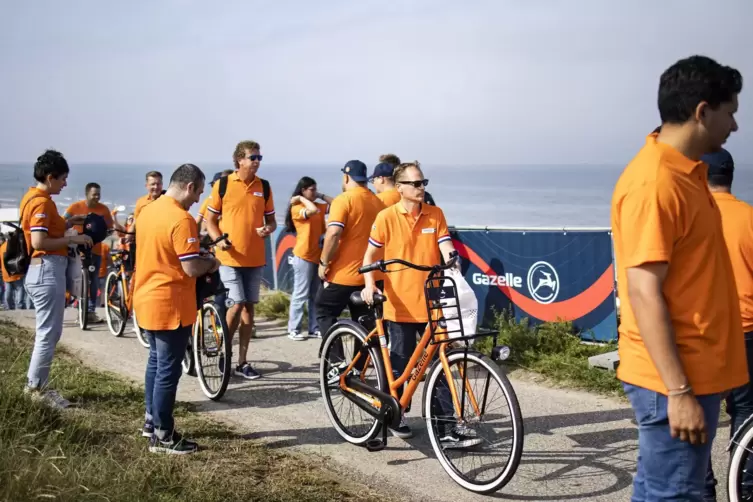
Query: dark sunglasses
255, 157
416, 184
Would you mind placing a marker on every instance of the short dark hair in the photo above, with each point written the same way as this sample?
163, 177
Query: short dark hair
187, 173
89, 186
50, 163
720, 180
690, 81
153, 174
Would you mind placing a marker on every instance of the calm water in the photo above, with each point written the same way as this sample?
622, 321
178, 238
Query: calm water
510, 196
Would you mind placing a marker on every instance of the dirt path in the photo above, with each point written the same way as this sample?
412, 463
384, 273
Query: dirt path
578, 446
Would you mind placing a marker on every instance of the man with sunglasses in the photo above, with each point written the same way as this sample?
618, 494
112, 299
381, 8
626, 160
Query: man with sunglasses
393, 160
247, 217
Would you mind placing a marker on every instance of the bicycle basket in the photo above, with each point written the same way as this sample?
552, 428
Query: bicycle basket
452, 306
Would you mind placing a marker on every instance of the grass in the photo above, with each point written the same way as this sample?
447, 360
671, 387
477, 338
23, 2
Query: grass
555, 351
94, 451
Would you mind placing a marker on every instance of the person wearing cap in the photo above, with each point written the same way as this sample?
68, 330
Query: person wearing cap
82, 208
384, 184
351, 215
737, 227
203, 208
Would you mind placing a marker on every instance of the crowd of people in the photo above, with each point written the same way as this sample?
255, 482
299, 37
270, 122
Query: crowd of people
682, 246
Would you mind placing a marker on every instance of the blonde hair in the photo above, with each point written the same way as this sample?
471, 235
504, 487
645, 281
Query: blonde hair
399, 171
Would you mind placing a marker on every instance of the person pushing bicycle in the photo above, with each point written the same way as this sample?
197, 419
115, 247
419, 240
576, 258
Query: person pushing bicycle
416, 232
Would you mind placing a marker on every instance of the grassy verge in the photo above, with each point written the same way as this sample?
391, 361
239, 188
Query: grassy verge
555, 351
95, 452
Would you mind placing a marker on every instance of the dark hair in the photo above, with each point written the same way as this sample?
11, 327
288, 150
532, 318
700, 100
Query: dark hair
50, 163
240, 150
153, 174
302, 185
688, 82
89, 186
187, 173
720, 180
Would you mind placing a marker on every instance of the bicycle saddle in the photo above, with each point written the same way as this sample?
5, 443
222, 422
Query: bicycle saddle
356, 300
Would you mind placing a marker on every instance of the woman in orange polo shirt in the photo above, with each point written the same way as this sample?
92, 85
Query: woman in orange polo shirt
44, 231
305, 218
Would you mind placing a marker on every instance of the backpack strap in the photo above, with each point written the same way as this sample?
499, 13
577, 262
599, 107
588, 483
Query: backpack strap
264, 186
223, 187
265, 189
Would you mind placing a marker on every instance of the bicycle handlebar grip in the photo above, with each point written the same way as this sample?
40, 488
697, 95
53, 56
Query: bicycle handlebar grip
370, 268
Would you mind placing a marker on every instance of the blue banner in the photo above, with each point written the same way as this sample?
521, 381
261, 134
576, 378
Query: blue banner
541, 275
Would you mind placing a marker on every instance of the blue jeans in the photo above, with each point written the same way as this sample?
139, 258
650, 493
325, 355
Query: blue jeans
163, 370
306, 284
739, 408
94, 282
15, 296
45, 284
669, 469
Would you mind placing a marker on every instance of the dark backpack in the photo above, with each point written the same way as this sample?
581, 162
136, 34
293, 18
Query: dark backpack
264, 187
17, 257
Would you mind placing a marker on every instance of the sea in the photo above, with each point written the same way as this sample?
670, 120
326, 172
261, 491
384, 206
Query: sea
494, 196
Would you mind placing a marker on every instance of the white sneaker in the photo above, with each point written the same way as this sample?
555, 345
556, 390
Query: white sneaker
55, 400
296, 336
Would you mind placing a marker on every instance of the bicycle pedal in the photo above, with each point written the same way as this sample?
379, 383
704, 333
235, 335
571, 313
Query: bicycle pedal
375, 445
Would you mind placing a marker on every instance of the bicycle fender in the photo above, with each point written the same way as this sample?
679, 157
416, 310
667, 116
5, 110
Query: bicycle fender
738, 433
438, 361
356, 327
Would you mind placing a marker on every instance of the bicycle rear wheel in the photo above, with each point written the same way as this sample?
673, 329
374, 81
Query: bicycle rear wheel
83, 300
740, 477
139, 334
480, 451
353, 424
189, 363
115, 311
212, 351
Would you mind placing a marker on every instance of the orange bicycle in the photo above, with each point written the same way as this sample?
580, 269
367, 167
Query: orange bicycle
477, 442
119, 297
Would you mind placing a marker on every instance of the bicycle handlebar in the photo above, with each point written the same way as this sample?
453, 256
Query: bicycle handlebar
219, 239
382, 265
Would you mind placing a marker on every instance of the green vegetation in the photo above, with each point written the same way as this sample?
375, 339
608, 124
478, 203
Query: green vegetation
554, 350
95, 452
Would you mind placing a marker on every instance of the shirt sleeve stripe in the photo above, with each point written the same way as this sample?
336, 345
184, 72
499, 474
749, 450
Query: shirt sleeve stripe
375, 243
336, 223
444, 238
189, 256
39, 229
269, 213
214, 210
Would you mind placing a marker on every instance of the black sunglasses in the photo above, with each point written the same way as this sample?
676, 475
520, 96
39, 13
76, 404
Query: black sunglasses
255, 157
416, 184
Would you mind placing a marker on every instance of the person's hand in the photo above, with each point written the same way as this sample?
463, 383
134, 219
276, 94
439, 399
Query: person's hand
263, 231
295, 199
224, 244
367, 293
686, 419
323, 270
82, 240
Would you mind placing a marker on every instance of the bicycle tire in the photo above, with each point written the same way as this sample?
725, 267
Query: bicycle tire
737, 461
113, 281
139, 333
83, 300
335, 333
516, 419
225, 351
188, 364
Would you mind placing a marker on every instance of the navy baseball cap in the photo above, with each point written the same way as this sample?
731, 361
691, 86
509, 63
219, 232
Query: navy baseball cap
719, 162
356, 170
95, 227
383, 169
215, 178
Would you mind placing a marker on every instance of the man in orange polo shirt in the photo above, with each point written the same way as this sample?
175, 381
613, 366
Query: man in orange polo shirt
384, 184
681, 342
153, 192
81, 208
737, 225
167, 265
351, 215
247, 217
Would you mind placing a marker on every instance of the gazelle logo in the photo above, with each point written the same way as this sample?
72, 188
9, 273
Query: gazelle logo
543, 282
508, 279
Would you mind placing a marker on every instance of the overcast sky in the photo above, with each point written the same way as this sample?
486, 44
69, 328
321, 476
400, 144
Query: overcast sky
445, 82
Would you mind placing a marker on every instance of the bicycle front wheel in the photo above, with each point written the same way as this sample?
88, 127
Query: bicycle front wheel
740, 476
115, 311
481, 448
83, 300
212, 351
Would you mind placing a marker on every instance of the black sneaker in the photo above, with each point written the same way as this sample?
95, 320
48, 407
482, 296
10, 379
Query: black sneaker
246, 371
148, 430
174, 445
459, 437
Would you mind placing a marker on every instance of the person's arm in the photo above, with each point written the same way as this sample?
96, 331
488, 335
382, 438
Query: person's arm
270, 224
212, 217
444, 239
325, 198
308, 209
338, 219
40, 214
185, 239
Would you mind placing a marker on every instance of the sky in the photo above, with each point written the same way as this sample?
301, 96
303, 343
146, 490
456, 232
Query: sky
445, 82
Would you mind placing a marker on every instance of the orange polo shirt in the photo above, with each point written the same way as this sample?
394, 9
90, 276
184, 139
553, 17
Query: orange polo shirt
243, 210
41, 215
662, 211
737, 225
389, 197
6, 276
141, 204
203, 208
415, 239
164, 296
105, 260
81, 209
308, 232
354, 211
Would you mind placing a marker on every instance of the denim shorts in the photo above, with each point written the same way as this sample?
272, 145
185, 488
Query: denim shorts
243, 283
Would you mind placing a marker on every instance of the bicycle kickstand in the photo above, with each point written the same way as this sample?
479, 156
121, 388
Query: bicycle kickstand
380, 444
